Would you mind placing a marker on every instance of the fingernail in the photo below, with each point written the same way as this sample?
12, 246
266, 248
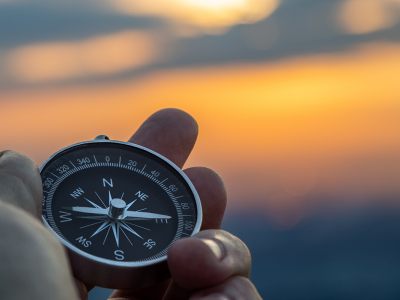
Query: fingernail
214, 246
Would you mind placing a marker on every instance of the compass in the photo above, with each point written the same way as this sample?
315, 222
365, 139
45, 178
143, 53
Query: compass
117, 207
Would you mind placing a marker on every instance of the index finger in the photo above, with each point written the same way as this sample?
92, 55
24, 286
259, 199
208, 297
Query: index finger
170, 132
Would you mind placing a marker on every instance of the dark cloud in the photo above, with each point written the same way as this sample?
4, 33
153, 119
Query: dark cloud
22, 24
295, 28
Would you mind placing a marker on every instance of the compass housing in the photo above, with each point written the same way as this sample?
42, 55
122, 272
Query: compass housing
71, 176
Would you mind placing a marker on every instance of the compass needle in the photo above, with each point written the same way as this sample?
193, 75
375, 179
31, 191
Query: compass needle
88, 210
90, 225
106, 235
145, 215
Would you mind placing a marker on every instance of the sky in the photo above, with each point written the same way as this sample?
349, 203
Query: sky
297, 100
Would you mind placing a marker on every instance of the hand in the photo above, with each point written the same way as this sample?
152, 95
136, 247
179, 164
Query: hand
211, 265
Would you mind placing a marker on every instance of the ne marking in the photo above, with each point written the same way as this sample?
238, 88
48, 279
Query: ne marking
163, 180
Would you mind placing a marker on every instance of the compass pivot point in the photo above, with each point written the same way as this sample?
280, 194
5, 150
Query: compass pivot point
117, 209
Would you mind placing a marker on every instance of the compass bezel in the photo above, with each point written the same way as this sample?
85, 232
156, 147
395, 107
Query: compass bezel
121, 264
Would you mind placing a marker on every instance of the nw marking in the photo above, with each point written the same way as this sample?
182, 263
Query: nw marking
78, 192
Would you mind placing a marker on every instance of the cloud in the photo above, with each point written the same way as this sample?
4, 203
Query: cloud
96, 56
365, 16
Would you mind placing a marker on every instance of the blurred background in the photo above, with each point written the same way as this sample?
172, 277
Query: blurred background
298, 103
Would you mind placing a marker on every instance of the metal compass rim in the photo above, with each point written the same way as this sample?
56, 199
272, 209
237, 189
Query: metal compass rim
110, 262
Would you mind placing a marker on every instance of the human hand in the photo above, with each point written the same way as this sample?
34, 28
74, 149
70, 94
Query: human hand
211, 265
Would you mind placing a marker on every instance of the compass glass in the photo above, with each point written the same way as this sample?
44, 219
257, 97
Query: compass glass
117, 201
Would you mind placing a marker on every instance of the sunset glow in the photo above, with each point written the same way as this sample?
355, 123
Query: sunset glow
210, 16
262, 126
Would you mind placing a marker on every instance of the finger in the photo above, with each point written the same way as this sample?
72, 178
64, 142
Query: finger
34, 264
82, 289
20, 182
212, 193
235, 288
149, 293
169, 132
208, 258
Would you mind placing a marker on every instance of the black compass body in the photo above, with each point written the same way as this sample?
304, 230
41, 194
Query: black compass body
117, 207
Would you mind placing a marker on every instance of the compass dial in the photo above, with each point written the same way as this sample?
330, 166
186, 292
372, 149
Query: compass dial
117, 203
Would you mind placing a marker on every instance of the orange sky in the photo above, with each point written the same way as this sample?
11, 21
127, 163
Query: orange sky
317, 127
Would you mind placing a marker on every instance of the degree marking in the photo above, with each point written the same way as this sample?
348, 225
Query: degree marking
95, 159
163, 180
143, 168
54, 175
72, 164
120, 161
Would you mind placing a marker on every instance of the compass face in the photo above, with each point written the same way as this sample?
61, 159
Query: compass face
118, 202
